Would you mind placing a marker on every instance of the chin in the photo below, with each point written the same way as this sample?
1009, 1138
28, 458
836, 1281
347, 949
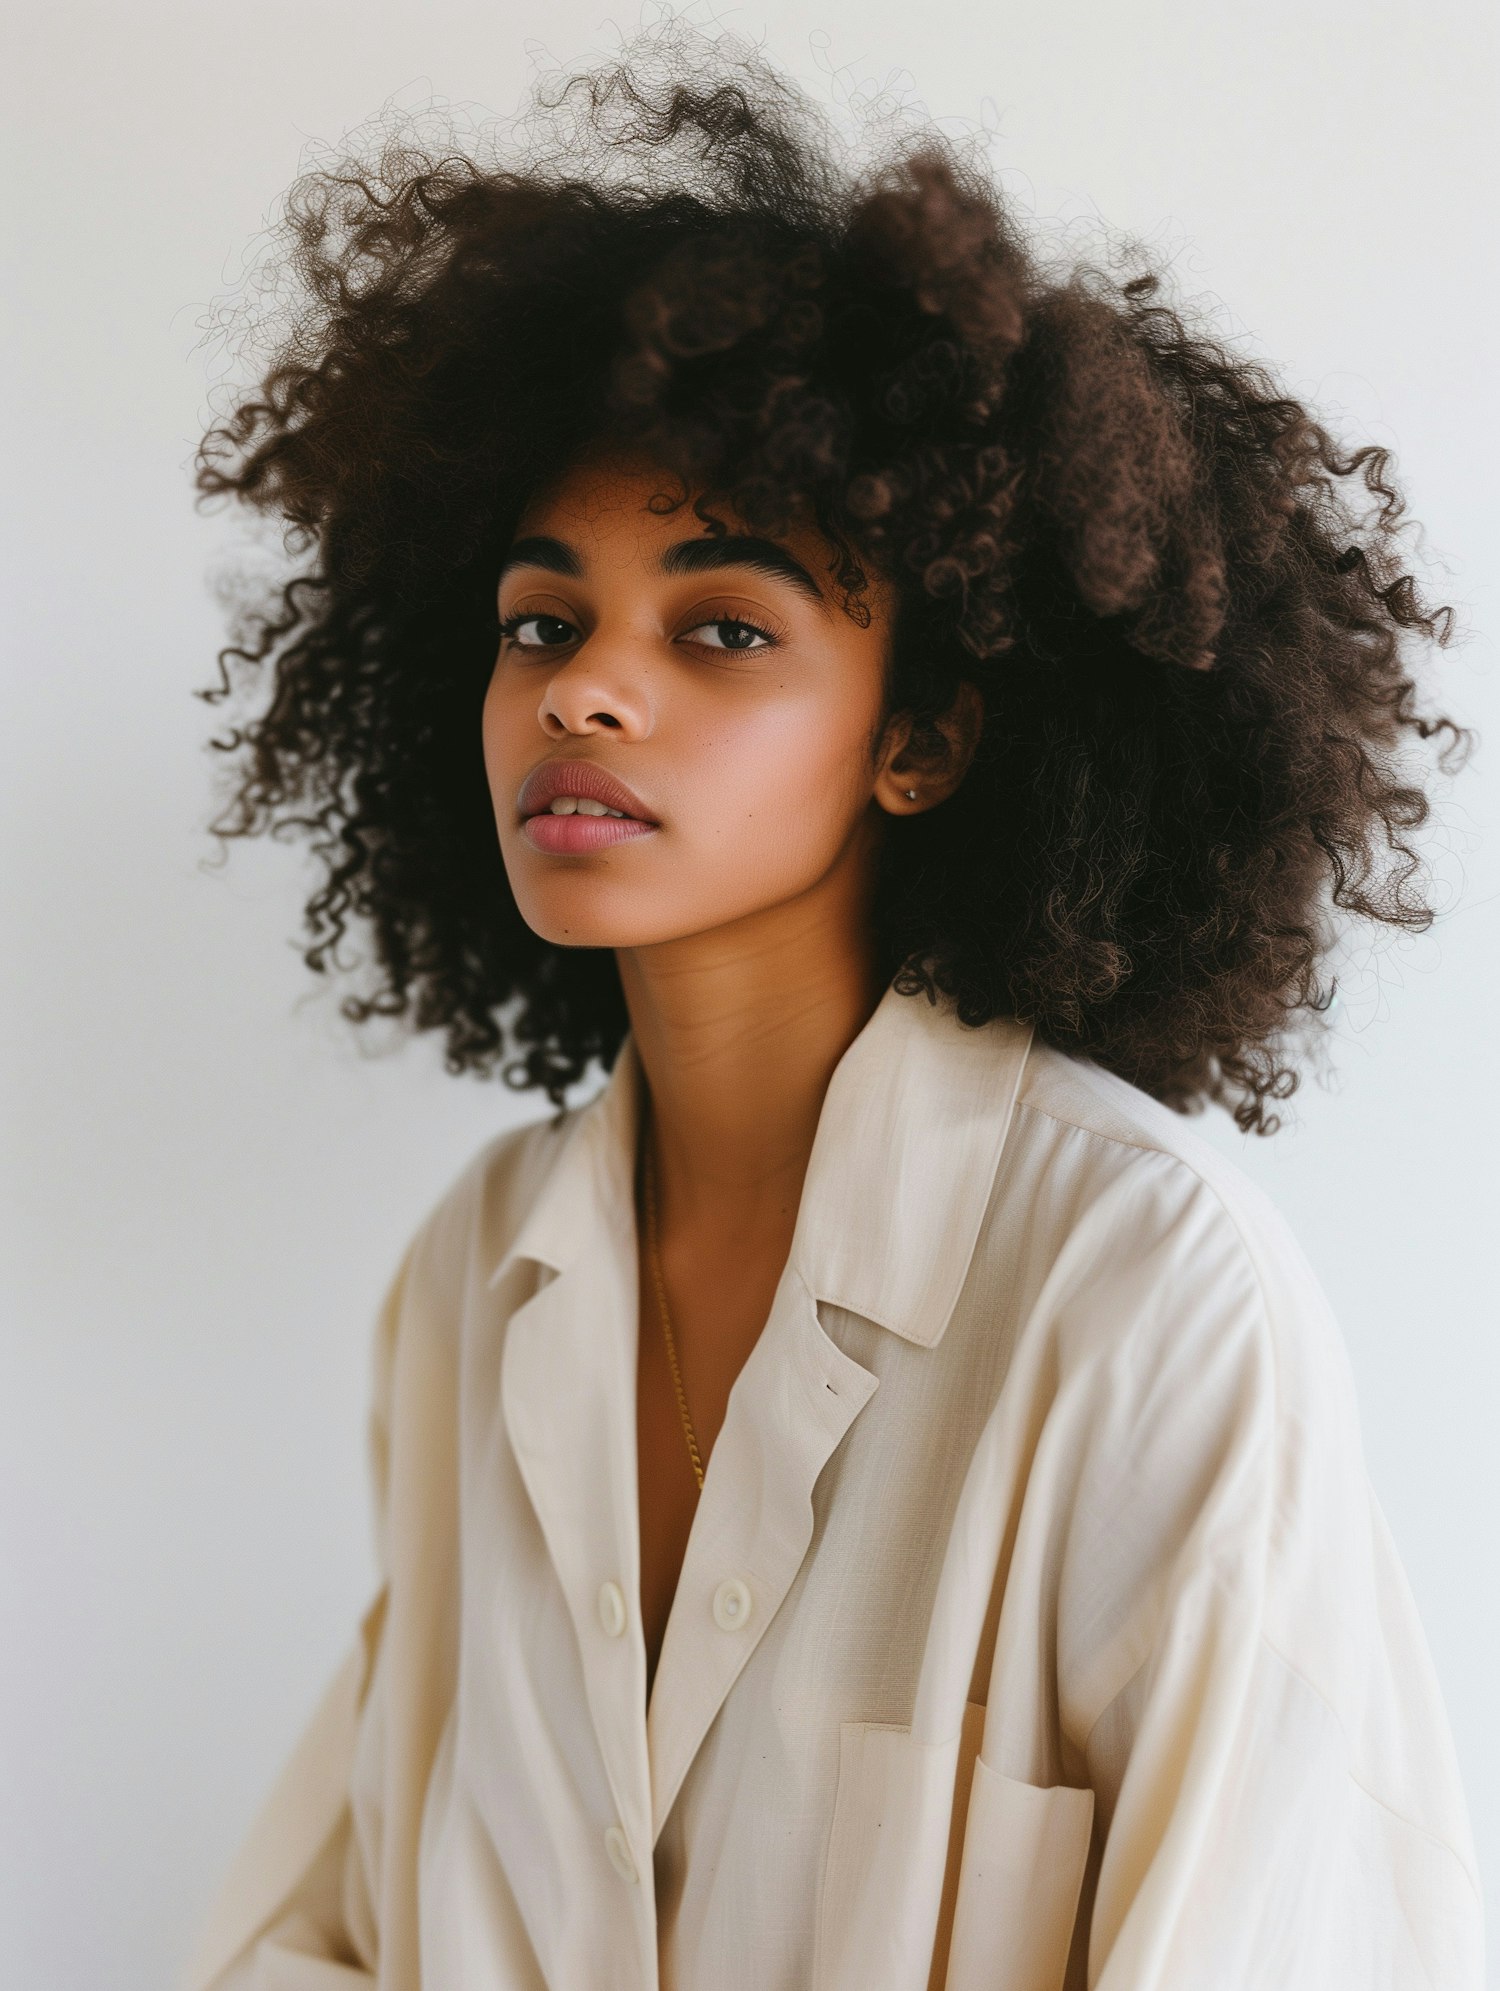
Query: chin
571, 921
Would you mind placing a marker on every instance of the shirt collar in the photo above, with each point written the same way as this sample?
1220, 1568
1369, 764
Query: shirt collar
908, 1141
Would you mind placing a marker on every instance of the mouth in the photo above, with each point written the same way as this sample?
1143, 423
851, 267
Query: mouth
577, 805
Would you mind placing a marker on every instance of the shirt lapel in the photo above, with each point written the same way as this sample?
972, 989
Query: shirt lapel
908, 1142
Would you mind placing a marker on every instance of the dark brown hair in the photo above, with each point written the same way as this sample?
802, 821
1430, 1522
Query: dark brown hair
1181, 599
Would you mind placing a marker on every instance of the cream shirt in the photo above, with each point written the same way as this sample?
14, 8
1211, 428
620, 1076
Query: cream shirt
1038, 1628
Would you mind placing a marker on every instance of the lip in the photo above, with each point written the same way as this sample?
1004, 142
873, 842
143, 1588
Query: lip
585, 778
559, 834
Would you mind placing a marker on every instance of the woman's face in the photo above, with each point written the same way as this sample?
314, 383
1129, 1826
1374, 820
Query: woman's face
717, 680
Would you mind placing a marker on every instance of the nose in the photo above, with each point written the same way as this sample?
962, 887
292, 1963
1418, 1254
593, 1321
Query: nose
599, 689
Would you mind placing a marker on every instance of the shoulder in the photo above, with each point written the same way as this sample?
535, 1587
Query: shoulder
1186, 1356
1080, 1125
1088, 1120
1166, 1241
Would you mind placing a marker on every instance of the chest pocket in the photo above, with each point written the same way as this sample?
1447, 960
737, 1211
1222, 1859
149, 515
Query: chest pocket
942, 1874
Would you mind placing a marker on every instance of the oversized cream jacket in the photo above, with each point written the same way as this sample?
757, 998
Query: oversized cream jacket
1038, 1628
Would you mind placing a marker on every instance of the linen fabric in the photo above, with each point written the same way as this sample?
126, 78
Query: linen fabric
1039, 1627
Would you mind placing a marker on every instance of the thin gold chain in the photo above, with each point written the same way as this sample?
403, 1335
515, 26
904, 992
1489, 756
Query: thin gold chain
666, 1318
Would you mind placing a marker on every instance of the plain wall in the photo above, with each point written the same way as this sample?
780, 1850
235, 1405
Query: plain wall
207, 1183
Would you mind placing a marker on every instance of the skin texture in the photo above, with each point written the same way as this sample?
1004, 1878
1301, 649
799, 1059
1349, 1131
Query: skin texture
740, 925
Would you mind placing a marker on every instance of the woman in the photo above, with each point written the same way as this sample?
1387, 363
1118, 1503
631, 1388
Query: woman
867, 1500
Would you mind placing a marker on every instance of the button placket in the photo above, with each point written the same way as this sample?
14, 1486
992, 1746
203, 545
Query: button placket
610, 1601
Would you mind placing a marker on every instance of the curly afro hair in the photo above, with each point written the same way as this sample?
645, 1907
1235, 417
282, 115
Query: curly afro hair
1181, 601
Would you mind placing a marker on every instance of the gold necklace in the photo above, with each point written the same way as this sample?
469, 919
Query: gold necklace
666, 1319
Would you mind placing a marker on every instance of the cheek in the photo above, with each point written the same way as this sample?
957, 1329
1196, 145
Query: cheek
792, 774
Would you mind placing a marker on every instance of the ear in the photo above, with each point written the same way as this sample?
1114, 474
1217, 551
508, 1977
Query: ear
933, 765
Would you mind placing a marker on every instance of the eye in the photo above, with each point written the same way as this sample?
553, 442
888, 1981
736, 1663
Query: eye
733, 633
552, 631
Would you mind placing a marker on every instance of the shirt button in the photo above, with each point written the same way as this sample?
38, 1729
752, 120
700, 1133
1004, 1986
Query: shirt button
612, 1608
731, 1604
616, 1846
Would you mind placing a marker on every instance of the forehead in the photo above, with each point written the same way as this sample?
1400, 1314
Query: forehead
602, 483
629, 502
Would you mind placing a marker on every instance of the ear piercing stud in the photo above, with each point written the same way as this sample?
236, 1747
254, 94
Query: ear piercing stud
911, 794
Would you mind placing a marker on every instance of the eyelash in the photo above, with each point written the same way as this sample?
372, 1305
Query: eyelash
512, 623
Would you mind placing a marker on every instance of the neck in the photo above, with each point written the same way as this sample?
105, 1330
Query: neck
738, 1031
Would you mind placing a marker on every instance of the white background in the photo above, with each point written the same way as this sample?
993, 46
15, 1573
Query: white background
207, 1184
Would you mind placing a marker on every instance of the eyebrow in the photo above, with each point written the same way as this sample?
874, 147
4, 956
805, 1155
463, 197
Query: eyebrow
686, 556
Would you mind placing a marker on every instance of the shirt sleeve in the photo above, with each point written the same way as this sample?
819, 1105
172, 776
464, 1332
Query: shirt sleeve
1240, 1658
296, 1910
